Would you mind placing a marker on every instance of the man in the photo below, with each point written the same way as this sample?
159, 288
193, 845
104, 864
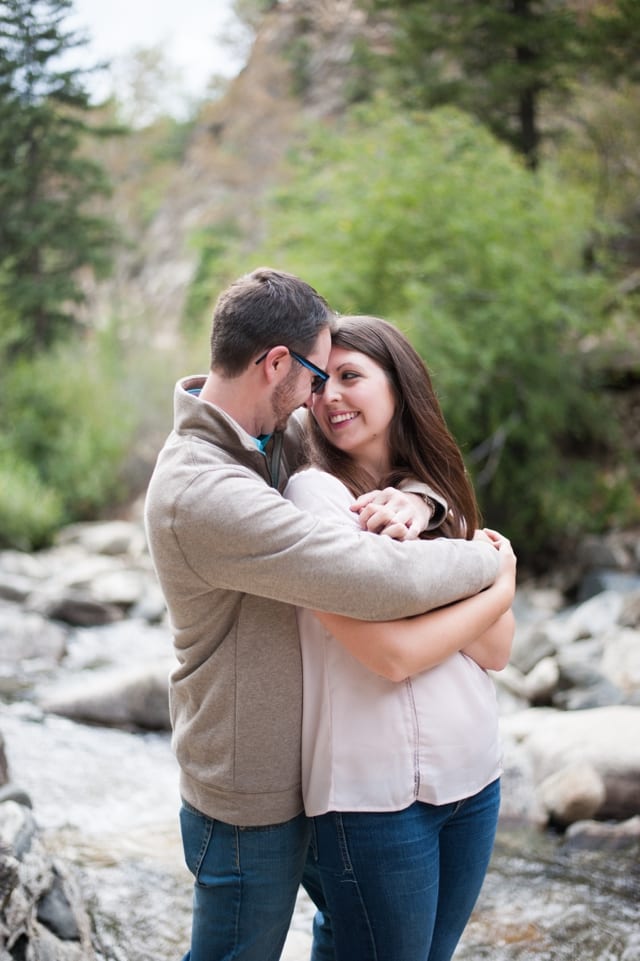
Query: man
233, 558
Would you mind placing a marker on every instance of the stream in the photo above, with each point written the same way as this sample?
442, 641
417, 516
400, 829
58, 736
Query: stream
108, 799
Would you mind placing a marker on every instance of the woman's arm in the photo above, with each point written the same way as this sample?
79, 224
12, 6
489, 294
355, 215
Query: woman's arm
492, 649
481, 626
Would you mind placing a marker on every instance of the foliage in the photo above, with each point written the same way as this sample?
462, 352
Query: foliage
505, 62
30, 512
147, 87
601, 153
48, 229
211, 244
428, 221
66, 431
251, 12
612, 33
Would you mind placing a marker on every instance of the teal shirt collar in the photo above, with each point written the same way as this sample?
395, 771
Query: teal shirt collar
262, 441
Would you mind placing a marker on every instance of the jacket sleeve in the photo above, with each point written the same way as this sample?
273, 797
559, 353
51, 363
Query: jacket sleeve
440, 506
236, 533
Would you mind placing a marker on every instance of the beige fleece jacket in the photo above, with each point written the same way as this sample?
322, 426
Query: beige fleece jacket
233, 559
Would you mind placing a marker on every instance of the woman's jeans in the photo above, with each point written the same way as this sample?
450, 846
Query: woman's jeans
400, 886
246, 882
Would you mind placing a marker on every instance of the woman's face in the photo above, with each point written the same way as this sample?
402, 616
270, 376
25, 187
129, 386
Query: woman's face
356, 408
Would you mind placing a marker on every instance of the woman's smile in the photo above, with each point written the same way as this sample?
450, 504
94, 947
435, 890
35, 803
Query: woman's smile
356, 407
342, 417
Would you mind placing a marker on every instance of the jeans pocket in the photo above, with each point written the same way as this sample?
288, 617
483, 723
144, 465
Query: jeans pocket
196, 829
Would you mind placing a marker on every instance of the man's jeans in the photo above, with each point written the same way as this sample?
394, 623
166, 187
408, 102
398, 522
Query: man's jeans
246, 882
400, 886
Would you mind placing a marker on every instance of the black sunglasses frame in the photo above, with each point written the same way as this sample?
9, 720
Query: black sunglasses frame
320, 377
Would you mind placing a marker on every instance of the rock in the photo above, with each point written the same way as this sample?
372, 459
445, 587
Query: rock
598, 581
56, 913
42, 916
4, 766
127, 642
520, 803
150, 605
621, 659
617, 550
533, 604
510, 690
11, 792
21, 564
630, 614
531, 644
597, 834
76, 608
606, 738
582, 683
15, 587
574, 793
122, 588
595, 616
105, 537
541, 683
600, 693
136, 697
17, 828
9, 878
28, 635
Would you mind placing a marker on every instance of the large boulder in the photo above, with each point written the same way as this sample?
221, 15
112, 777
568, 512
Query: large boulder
42, 914
577, 763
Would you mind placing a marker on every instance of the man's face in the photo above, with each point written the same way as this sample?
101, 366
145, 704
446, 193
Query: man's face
295, 390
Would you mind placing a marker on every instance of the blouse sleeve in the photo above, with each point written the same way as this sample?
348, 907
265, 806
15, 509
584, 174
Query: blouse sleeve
323, 495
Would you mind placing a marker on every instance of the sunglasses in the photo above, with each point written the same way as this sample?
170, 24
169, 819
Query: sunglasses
320, 376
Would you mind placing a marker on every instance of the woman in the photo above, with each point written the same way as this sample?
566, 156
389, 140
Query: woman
401, 759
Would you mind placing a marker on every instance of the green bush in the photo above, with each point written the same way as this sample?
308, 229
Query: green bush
426, 220
66, 432
30, 512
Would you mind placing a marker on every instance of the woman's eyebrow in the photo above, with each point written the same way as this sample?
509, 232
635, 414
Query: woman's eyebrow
348, 363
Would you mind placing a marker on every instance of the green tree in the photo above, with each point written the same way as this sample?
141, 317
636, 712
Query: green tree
48, 228
251, 12
506, 61
612, 33
430, 222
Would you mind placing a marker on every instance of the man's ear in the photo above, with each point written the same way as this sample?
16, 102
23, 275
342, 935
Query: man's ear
277, 362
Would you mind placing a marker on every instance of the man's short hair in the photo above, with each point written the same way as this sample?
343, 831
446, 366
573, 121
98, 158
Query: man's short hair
261, 310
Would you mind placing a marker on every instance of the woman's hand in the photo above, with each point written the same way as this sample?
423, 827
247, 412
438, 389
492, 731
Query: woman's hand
492, 649
508, 560
397, 514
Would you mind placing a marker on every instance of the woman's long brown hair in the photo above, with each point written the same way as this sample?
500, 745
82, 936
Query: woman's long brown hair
422, 447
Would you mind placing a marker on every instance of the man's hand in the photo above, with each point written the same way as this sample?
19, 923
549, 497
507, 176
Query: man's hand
395, 513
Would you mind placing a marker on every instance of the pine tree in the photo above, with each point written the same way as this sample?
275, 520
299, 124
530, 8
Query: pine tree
48, 230
502, 59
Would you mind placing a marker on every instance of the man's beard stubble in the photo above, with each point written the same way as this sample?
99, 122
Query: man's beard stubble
283, 402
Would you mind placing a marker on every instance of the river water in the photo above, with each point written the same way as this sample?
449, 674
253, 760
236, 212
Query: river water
108, 802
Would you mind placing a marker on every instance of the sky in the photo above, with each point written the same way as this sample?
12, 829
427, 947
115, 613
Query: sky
190, 31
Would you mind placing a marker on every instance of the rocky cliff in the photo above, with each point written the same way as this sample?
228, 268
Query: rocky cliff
298, 69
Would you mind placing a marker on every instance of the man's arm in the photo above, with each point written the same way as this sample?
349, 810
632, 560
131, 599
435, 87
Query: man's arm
402, 513
481, 626
236, 533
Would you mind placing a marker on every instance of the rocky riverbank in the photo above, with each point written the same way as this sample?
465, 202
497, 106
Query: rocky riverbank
83, 636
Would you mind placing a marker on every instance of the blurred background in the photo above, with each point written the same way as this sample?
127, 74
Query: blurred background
469, 172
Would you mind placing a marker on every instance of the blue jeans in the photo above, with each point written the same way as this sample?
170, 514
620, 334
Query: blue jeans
400, 886
246, 882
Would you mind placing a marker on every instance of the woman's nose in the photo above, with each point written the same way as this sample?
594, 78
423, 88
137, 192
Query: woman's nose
327, 393
330, 389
